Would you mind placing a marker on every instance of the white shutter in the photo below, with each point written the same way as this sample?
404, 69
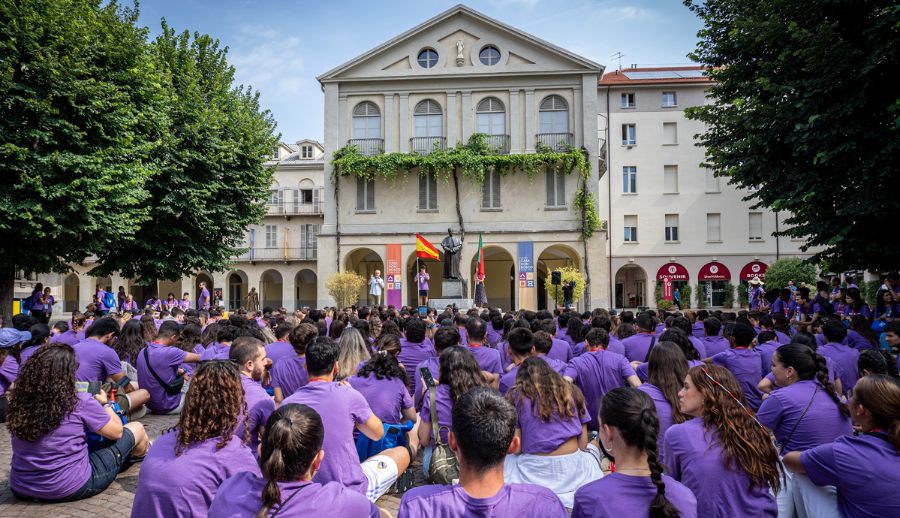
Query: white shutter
756, 225
303, 245
432, 191
360, 193
316, 198
713, 227
370, 195
495, 189
671, 220
551, 188
314, 230
670, 174
670, 133
712, 183
423, 191
560, 188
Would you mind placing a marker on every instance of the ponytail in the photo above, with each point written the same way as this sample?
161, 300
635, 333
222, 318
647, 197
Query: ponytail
877, 361
809, 366
274, 468
822, 376
880, 395
661, 506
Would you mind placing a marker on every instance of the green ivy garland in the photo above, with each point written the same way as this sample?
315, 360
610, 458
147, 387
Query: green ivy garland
473, 160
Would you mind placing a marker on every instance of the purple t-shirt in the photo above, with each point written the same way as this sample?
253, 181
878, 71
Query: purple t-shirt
69, 337
289, 375
561, 350
563, 334
189, 367
203, 300
422, 279
9, 371
756, 295
783, 339
24, 355
186, 485
488, 359
169, 304
444, 409
862, 491
597, 373
493, 335
847, 358
781, 410
615, 346
765, 351
715, 345
858, 341
694, 458
101, 296
341, 409
863, 310
512, 501
386, 397
542, 437
619, 495
184, 304
56, 464
154, 303
699, 345
636, 346
216, 351
165, 361
508, 380
834, 371
744, 364
259, 407
241, 496
96, 361
278, 350
697, 329
412, 355
663, 410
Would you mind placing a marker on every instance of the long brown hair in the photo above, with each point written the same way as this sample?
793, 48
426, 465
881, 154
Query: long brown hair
189, 338
551, 396
460, 371
744, 441
214, 406
880, 395
37, 406
666, 370
150, 331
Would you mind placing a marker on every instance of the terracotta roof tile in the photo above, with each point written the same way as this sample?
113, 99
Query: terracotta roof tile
618, 77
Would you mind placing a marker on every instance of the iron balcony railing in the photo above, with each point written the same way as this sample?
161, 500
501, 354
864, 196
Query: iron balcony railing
296, 209
368, 146
280, 254
426, 145
557, 142
498, 144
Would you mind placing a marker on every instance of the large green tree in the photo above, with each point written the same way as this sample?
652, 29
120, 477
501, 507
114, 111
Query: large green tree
806, 106
210, 181
81, 114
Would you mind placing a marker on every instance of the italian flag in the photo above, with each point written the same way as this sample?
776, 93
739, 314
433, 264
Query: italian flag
480, 257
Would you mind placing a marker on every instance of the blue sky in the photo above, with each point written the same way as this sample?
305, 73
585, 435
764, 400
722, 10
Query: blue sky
279, 47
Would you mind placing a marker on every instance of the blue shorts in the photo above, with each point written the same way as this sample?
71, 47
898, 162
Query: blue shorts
423, 293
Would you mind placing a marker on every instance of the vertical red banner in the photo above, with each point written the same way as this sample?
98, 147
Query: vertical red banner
667, 288
394, 276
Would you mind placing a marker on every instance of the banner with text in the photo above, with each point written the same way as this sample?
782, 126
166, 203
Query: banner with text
394, 276
526, 275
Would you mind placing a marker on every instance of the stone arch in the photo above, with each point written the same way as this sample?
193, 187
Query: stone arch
632, 287
364, 261
271, 289
237, 287
306, 288
550, 258
70, 293
499, 277
435, 269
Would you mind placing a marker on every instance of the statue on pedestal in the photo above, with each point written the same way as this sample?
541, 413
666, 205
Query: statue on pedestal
452, 246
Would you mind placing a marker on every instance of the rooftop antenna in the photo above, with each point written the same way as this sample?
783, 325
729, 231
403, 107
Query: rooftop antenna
619, 56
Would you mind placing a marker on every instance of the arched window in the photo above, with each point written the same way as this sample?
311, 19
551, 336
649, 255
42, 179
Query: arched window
428, 58
490, 117
554, 115
429, 121
366, 121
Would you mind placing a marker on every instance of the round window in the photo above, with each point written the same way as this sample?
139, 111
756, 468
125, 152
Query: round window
489, 55
428, 58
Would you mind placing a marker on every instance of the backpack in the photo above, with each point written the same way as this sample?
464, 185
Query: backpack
28, 304
444, 467
109, 300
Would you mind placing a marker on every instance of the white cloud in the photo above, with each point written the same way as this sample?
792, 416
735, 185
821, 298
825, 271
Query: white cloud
626, 13
271, 64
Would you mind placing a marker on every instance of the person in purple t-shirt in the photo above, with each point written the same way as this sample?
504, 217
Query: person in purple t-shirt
722, 425
203, 299
553, 451
281, 347
51, 461
289, 457
712, 342
445, 337
164, 360
289, 373
520, 346
637, 346
250, 354
743, 362
666, 370
102, 308
543, 345
187, 464
185, 302
488, 358
414, 350
422, 279
847, 357
342, 409
863, 469
629, 427
483, 432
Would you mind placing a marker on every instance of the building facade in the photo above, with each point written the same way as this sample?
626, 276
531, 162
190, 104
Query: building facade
669, 217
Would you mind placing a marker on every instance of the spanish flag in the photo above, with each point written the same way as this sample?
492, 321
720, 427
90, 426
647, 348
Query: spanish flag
425, 249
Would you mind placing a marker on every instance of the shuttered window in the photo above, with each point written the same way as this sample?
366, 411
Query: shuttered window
554, 115
556, 188
756, 230
490, 194
309, 241
670, 133
670, 177
428, 119
671, 227
712, 183
365, 194
428, 192
630, 229
714, 227
490, 117
366, 121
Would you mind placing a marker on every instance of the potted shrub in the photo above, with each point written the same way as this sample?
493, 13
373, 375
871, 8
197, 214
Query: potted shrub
701, 297
743, 295
685, 296
663, 304
728, 299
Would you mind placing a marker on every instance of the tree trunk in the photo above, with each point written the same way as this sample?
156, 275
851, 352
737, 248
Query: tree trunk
7, 288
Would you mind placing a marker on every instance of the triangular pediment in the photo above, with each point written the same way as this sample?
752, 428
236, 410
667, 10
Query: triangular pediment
458, 37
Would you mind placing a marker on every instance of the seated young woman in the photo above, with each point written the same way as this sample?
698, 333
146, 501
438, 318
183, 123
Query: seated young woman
554, 450
289, 454
57, 465
187, 464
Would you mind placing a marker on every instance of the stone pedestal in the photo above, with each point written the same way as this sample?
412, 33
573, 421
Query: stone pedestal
453, 291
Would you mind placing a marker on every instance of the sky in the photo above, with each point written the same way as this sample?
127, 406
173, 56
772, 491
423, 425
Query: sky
279, 47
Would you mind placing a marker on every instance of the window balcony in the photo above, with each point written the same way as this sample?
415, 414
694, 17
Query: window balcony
368, 146
296, 209
497, 144
557, 142
279, 254
426, 145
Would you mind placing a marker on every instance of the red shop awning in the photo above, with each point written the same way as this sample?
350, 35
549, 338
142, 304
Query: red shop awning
672, 271
714, 272
754, 269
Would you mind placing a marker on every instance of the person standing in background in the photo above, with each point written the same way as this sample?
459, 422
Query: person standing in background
376, 288
203, 299
422, 280
568, 290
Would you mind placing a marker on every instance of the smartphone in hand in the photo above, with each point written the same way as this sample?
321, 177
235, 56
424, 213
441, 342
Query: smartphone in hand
427, 377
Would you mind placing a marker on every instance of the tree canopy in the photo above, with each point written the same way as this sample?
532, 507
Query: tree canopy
805, 106
142, 154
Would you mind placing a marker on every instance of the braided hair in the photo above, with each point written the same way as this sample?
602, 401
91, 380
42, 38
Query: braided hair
877, 361
810, 365
633, 414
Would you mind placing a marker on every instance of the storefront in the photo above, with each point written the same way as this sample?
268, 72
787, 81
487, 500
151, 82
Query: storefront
713, 279
673, 276
753, 270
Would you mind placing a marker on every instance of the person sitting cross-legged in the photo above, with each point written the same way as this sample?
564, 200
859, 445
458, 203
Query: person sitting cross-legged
163, 364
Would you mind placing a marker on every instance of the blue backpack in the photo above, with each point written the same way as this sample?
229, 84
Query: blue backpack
109, 300
28, 304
